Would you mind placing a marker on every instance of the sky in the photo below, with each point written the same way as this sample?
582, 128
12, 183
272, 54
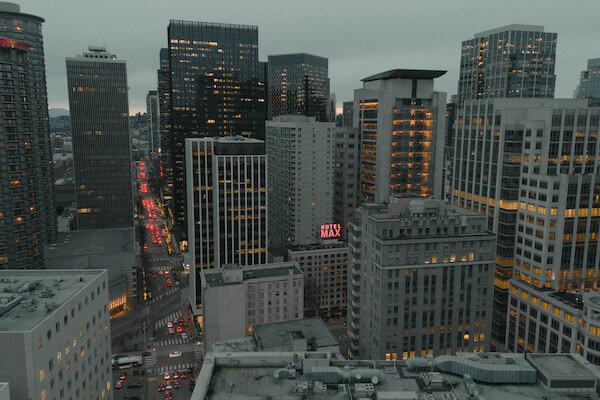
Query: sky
360, 38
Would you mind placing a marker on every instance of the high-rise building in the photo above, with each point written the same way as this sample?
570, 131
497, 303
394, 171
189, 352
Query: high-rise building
589, 84
55, 334
401, 121
27, 213
234, 299
346, 177
99, 109
421, 276
215, 89
227, 205
510, 61
153, 120
300, 156
166, 152
531, 166
299, 85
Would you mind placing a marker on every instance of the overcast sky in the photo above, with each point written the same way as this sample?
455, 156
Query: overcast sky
360, 38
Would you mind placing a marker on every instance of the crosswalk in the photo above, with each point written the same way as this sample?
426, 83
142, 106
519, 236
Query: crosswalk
160, 259
177, 367
198, 352
172, 342
168, 293
170, 318
150, 361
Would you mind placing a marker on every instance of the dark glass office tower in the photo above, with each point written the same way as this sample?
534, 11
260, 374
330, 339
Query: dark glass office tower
298, 85
215, 90
164, 104
511, 61
27, 214
98, 103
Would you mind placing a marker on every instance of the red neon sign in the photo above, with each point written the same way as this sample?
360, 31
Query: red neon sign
14, 44
329, 231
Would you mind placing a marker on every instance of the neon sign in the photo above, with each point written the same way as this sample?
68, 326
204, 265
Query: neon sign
14, 44
329, 231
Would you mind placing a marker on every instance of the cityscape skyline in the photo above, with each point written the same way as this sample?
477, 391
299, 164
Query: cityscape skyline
278, 36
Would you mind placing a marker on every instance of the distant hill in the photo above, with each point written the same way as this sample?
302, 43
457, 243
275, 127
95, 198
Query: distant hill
57, 112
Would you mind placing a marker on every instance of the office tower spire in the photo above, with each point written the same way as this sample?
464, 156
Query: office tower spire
97, 84
27, 214
511, 61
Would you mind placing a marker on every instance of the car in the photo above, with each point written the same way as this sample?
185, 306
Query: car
177, 384
182, 375
123, 376
171, 331
168, 396
190, 370
134, 385
175, 354
169, 325
169, 284
167, 376
184, 336
175, 375
161, 387
146, 354
119, 385
179, 329
169, 386
181, 321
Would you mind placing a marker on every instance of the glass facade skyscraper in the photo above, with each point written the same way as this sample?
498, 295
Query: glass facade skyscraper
215, 89
511, 61
589, 85
298, 85
98, 103
27, 214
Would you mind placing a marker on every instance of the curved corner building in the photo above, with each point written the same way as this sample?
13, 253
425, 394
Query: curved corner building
27, 216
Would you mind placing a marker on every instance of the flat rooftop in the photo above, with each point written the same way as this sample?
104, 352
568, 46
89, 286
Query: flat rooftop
287, 375
28, 297
276, 335
317, 246
215, 277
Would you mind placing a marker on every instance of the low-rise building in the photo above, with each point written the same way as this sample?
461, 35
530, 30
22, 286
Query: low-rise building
325, 269
55, 334
322, 375
235, 299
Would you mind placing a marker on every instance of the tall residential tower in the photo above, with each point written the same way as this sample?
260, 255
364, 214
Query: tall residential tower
99, 108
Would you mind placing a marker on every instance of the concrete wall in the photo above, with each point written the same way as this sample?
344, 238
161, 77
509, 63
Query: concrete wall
224, 313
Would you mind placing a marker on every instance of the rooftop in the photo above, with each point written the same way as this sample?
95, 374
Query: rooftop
276, 335
317, 246
406, 74
215, 277
321, 375
513, 27
28, 297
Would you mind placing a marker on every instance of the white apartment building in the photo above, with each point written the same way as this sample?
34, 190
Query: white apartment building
325, 269
234, 299
421, 276
300, 175
55, 334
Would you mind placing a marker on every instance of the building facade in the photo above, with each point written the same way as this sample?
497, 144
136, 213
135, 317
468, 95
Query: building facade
589, 84
346, 176
401, 122
27, 210
510, 61
99, 108
166, 151
227, 205
531, 165
235, 299
421, 276
153, 121
56, 323
325, 269
215, 89
300, 156
299, 85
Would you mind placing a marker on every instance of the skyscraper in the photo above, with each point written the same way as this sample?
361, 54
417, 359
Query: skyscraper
215, 89
164, 104
300, 156
346, 177
421, 277
589, 84
27, 214
97, 85
227, 205
153, 120
299, 85
511, 61
401, 120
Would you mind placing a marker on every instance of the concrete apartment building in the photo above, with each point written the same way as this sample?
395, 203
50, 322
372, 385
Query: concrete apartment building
325, 269
421, 276
234, 299
531, 166
227, 203
322, 375
300, 174
346, 177
401, 122
56, 324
